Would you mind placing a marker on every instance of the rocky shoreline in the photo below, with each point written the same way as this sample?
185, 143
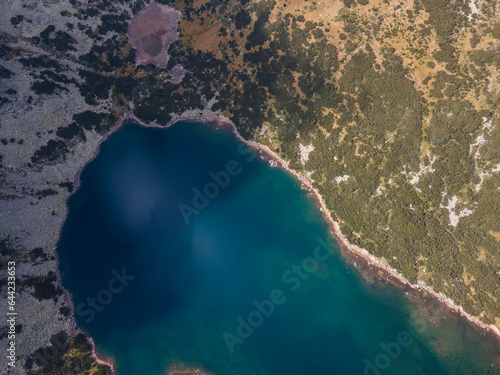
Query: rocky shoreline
348, 250
61, 99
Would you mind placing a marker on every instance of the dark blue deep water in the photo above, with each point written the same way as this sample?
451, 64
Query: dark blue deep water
245, 281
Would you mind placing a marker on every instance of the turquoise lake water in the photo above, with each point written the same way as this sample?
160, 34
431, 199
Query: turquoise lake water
182, 246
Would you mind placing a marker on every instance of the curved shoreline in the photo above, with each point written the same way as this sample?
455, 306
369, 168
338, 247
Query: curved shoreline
67, 296
219, 121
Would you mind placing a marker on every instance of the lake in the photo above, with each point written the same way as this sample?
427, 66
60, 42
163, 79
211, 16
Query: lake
183, 248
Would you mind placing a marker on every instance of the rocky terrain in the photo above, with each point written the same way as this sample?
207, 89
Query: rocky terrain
389, 108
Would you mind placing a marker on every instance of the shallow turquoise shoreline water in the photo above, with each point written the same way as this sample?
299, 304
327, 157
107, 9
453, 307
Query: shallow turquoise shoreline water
182, 245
